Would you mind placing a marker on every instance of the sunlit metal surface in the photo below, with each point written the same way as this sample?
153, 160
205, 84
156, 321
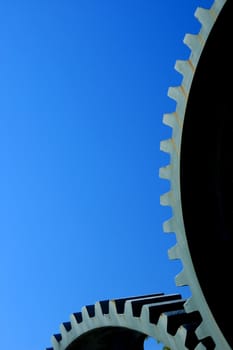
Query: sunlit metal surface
200, 172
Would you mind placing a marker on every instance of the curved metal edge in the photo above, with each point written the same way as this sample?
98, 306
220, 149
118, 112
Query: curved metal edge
159, 316
171, 172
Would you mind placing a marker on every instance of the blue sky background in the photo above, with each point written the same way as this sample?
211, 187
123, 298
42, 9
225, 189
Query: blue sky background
83, 88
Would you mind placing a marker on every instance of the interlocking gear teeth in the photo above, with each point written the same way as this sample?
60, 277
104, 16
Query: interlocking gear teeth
159, 316
177, 323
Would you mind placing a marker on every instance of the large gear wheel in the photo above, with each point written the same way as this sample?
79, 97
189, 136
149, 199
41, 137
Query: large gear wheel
201, 173
126, 323
201, 180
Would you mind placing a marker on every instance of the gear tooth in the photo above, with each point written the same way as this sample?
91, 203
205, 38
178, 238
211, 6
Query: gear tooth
145, 314
200, 346
165, 199
181, 66
148, 327
162, 326
55, 340
64, 328
195, 43
174, 92
98, 308
169, 119
83, 326
163, 321
165, 172
181, 279
189, 305
207, 17
173, 252
76, 327
166, 146
200, 332
180, 337
186, 68
169, 225
73, 321
100, 316
128, 309
112, 309
190, 40
85, 313
179, 94
76, 318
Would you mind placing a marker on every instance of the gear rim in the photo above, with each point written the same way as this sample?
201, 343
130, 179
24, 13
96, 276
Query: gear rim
197, 302
158, 316
180, 177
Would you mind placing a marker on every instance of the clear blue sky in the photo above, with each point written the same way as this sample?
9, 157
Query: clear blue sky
83, 88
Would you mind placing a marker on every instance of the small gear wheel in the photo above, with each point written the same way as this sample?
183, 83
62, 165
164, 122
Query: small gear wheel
201, 180
126, 323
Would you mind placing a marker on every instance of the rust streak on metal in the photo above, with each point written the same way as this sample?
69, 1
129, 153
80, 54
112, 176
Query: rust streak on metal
183, 91
191, 65
179, 121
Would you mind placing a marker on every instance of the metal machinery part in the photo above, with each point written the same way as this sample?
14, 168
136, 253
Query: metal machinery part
201, 173
201, 189
126, 323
